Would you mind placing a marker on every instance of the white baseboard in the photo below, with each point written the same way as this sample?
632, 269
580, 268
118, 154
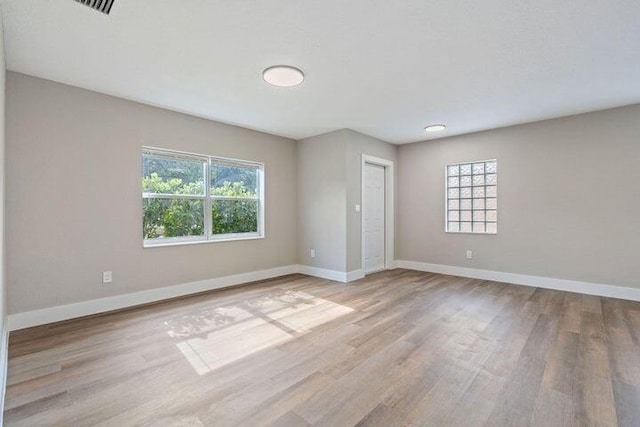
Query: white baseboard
337, 276
86, 308
588, 288
355, 275
323, 273
4, 363
101, 305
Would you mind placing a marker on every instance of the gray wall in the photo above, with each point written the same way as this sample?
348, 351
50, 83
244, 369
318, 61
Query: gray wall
74, 205
567, 208
329, 187
568, 199
322, 198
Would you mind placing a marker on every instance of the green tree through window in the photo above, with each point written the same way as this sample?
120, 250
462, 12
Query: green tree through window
175, 203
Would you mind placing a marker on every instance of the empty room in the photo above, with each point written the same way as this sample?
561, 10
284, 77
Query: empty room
319, 213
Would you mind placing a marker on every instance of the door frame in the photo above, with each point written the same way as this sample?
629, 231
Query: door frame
389, 219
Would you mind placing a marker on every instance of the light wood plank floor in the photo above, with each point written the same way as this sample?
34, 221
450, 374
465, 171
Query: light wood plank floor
395, 349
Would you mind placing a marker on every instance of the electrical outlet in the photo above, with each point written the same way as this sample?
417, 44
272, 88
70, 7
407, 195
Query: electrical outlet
469, 254
313, 253
107, 276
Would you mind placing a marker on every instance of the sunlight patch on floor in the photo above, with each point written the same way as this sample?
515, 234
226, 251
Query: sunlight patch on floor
214, 337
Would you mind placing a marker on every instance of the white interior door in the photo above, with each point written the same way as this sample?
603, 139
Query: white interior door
373, 215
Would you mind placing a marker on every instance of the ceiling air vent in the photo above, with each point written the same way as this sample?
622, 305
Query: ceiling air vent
103, 6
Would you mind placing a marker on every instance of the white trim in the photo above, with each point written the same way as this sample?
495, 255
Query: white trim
101, 305
171, 153
323, 273
599, 289
336, 276
182, 241
446, 198
86, 308
389, 211
4, 365
208, 162
355, 275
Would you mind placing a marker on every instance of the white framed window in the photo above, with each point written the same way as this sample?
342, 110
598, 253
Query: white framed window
192, 198
472, 197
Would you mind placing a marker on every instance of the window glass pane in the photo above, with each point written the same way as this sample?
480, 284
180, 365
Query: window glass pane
165, 175
234, 216
465, 181
454, 215
233, 180
478, 180
478, 168
491, 191
492, 204
453, 193
172, 218
478, 227
465, 227
491, 167
465, 192
454, 204
478, 203
465, 215
492, 227
478, 216
453, 170
465, 169
454, 226
478, 192
176, 206
465, 204
492, 179
492, 216
453, 181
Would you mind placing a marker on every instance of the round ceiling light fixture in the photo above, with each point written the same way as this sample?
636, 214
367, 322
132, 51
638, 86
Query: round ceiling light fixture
283, 75
435, 128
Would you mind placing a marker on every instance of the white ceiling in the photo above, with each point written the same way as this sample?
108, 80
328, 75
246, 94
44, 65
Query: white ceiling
385, 68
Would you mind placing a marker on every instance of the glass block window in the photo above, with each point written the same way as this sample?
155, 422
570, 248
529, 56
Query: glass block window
471, 205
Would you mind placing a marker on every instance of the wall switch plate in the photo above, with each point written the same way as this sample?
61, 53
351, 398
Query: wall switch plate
107, 276
357, 208
313, 253
469, 254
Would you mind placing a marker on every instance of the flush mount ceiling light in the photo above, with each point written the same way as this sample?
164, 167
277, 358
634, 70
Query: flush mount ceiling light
283, 76
435, 128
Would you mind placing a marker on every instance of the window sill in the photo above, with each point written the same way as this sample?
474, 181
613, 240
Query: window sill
471, 232
162, 244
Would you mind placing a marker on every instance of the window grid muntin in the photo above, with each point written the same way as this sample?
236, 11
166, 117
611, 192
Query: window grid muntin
208, 161
171, 196
454, 173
